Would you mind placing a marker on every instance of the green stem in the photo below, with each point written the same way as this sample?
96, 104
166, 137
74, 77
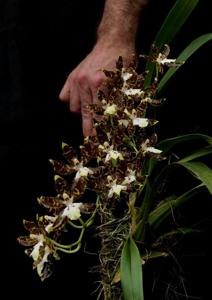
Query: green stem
91, 219
82, 222
61, 245
65, 247
69, 251
79, 239
83, 226
75, 226
130, 143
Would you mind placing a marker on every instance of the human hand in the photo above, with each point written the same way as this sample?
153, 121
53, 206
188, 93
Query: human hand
81, 86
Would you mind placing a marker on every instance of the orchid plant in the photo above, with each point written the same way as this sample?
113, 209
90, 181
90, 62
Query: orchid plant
117, 174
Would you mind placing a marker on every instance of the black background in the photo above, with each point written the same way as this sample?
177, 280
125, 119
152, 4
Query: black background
40, 43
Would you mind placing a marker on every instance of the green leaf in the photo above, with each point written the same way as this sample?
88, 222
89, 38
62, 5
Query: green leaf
180, 231
163, 211
167, 145
170, 27
143, 212
174, 21
197, 154
201, 171
131, 272
146, 256
172, 238
133, 209
154, 254
192, 48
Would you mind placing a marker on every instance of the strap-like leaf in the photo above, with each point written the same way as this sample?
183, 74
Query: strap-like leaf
131, 272
170, 27
197, 154
198, 169
201, 171
192, 48
167, 145
174, 21
161, 212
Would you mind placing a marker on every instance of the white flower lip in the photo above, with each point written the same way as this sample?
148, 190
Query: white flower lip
110, 109
51, 220
126, 75
153, 150
132, 92
164, 61
116, 189
36, 251
129, 178
110, 153
113, 154
141, 122
83, 172
124, 122
35, 254
72, 211
150, 149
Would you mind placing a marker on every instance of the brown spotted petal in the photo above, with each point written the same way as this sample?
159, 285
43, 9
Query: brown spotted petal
79, 187
153, 140
68, 152
119, 63
47, 271
156, 102
142, 107
61, 184
88, 151
27, 241
31, 227
109, 73
87, 208
61, 168
42, 264
51, 202
152, 122
46, 221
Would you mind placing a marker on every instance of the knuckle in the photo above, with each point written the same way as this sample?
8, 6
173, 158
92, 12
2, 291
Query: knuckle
86, 111
97, 80
82, 78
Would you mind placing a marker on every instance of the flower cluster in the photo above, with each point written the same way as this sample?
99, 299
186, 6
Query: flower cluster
110, 164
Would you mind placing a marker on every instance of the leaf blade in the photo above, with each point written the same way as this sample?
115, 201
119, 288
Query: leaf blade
197, 154
172, 24
201, 171
167, 144
131, 272
174, 21
163, 211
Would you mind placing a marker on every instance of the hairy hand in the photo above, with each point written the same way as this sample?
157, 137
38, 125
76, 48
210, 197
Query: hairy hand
80, 88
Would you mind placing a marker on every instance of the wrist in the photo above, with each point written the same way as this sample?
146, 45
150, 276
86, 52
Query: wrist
110, 43
116, 35
120, 21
